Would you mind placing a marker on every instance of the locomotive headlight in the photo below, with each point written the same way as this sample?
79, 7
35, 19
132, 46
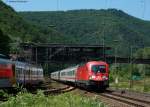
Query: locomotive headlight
92, 77
104, 77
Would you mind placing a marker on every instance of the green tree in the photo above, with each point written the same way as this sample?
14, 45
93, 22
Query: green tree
4, 43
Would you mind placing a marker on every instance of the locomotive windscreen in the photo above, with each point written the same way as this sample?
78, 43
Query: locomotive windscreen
99, 68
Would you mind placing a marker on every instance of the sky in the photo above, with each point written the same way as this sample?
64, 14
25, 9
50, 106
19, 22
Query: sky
137, 8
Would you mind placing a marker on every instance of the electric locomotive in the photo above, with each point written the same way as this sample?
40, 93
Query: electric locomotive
93, 74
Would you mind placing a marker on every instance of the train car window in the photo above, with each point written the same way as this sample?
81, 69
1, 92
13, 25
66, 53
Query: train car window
38, 71
30, 71
67, 73
73, 72
23, 70
99, 68
20, 70
81, 64
27, 71
17, 73
63, 73
33, 71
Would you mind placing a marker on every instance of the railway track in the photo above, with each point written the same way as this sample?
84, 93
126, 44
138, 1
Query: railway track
127, 100
2, 99
113, 98
51, 91
131, 97
117, 99
58, 90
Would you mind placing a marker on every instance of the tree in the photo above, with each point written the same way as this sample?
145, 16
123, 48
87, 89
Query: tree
4, 43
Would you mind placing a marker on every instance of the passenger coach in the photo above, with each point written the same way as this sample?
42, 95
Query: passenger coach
16, 72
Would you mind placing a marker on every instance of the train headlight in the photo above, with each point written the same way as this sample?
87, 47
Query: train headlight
92, 77
104, 77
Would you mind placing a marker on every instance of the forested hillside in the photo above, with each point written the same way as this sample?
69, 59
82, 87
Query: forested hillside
76, 26
19, 30
91, 26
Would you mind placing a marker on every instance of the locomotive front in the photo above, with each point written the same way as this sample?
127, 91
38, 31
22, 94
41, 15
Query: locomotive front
6, 74
98, 74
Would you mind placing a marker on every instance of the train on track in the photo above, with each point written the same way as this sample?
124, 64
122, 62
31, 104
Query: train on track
13, 73
93, 74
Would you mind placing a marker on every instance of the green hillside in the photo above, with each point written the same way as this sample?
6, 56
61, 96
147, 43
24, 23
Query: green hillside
76, 26
20, 30
91, 26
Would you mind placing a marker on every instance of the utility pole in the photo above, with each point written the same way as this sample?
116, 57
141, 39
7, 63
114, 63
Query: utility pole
116, 70
131, 66
144, 76
144, 84
104, 46
36, 55
103, 41
47, 59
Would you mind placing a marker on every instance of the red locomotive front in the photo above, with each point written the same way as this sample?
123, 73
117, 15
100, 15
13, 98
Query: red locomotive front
6, 75
94, 73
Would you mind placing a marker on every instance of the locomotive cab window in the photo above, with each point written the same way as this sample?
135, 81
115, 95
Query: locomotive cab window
99, 68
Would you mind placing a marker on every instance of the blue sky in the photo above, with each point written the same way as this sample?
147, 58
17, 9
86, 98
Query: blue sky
137, 8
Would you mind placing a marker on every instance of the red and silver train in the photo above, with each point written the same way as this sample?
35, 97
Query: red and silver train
13, 73
93, 74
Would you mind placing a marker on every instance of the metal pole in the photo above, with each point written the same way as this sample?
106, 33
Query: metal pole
131, 70
104, 46
144, 78
115, 57
36, 55
116, 80
47, 60
116, 71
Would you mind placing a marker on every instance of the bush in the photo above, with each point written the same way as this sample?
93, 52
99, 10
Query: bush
40, 100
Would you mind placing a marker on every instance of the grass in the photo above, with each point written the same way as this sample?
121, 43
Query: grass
136, 86
3, 94
24, 99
